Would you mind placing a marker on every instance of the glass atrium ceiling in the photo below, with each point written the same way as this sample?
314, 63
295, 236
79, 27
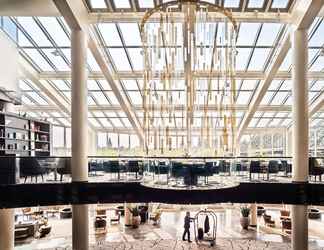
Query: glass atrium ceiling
45, 44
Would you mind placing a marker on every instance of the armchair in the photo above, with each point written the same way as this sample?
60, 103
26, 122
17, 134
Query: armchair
30, 167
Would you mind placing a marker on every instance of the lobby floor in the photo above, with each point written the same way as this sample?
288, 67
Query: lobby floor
167, 235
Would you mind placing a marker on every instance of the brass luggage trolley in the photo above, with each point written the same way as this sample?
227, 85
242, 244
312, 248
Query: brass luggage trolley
205, 227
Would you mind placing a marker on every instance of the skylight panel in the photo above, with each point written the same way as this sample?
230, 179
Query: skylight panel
67, 94
266, 98
38, 59
120, 59
256, 4
61, 85
104, 85
90, 100
94, 122
275, 122
98, 114
25, 100
56, 59
286, 85
279, 4
92, 85
243, 98
105, 122
98, 4
136, 58
241, 58
247, 33
135, 97
122, 4
318, 85
232, 3
24, 86
110, 34
100, 98
269, 33
130, 84
55, 30
258, 59
131, 34
40, 100
34, 31
286, 122
126, 122
253, 122
318, 38
279, 98
288, 101
112, 98
64, 121
116, 122
145, 4
263, 122
22, 39
249, 84
274, 84
318, 64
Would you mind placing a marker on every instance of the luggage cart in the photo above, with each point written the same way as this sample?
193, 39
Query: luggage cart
205, 232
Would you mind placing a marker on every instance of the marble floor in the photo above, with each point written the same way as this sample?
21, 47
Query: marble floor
167, 235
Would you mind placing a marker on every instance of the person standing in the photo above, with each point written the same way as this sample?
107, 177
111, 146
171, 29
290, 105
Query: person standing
186, 226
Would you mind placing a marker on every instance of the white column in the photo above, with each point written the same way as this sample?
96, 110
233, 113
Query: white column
300, 134
254, 216
7, 228
79, 131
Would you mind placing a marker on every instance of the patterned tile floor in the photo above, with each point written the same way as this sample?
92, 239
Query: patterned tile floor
167, 234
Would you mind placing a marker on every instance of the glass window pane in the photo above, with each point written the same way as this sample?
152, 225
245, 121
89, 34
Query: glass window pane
279, 98
146, 4
135, 97
243, 97
55, 30
130, 84
10, 28
58, 136
122, 4
60, 85
255, 3
241, 58
280, 4
56, 59
268, 34
266, 98
105, 122
92, 61
34, 31
104, 85
92, 85
318, 39
38, 59
112, 98
231, 3
131, 34
123, 141
100, 98
35, 96
110, 34
102, 140
98, 4
120, 59
247, 33
136, 58
258, 59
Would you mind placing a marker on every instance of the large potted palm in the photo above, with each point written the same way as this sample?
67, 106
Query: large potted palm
245, 219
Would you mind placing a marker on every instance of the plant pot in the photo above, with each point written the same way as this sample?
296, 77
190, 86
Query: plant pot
245, 222
136, 220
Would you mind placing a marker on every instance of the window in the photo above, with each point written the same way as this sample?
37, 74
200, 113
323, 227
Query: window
58, 137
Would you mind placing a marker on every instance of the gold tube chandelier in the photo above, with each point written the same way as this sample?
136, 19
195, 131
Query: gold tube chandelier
184, 44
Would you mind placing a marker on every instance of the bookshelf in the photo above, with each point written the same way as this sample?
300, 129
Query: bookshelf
24, 136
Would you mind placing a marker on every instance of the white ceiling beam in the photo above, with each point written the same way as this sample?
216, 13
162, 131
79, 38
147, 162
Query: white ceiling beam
139, 108
127, 17
246, 75
76, 16
303, 14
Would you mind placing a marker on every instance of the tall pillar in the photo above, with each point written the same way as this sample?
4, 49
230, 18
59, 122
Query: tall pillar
79, 131
7, 229
300, 134
254, 215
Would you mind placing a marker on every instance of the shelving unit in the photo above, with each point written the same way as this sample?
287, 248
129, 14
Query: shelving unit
23, 136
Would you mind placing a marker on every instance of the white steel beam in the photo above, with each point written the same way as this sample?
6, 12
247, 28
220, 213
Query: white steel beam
317, 105
303, 14
131, 75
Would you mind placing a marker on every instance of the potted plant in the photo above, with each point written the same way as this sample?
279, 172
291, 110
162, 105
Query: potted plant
136, 219
245, 220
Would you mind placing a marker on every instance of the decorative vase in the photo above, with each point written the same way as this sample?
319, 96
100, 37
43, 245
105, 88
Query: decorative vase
245, 222
136, 221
